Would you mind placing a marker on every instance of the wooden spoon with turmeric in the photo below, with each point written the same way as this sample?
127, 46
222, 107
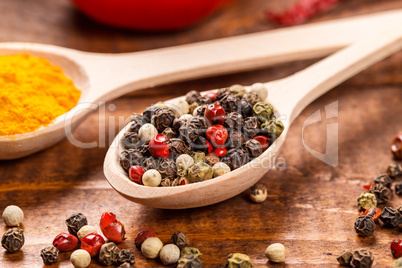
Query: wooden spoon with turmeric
103, 77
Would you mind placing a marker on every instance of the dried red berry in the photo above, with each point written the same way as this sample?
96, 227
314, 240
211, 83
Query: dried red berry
111, 228
141, 236
65, 242
396, 248
264, 141
158, 147
92, 243
396, 147
114, 232
220, 151
215, 114
106, 219
217, 134
375, 213
136, 173
368, 186
211, 95
210, 148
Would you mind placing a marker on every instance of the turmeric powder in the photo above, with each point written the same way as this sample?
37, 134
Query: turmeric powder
32, 93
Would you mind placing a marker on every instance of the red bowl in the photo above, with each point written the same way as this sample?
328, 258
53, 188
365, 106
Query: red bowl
149, 14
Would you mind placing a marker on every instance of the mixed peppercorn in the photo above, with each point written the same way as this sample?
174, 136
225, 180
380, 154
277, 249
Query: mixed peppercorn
202, 137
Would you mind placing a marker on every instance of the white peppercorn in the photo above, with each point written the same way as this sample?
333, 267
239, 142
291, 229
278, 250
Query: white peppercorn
151, 178
80, 258
186, 117
86, 230
260, 89
184, 161
220, 169
147, 132
13, 216
179, 107
151, 247
275, 253
198, 110
169, 254
258, 193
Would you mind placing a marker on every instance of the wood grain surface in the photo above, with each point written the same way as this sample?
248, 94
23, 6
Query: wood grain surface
311, 206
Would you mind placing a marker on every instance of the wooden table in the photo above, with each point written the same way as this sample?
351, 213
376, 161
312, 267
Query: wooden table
311, 206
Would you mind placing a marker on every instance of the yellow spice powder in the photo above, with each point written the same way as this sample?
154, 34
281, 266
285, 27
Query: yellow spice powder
32, 93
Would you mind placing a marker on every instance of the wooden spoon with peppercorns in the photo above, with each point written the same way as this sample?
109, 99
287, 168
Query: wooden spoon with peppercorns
289, 96
103, 77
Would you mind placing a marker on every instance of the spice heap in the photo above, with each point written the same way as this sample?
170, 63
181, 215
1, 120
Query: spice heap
199, 138
32, 93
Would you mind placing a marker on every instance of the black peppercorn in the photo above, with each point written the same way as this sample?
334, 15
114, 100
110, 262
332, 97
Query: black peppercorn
137, 120
200, 110
382, 193
235, 140
13, 239
364, 226
222, 93
192, 129
125, 265
203, 100
131, 140
200, 144
108, 254
75, 222
234, 121
167, 168
126, 255
251, 127
246, 108
149, 112
398, 188
345, 258
253, 148
144, 150
169, 133
252, 97
130, 157
384, 179
49, 255
362, 258
192, 96
177, 123
163, 118
150, 163
178, 147
390, 217
235, 158
180, 239
394, 171
230, 103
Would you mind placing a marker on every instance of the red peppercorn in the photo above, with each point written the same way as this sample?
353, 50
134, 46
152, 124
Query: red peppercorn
136, 173
220, 151
211, 95
92, 243
375, 213
264, 141
396, 147
210, 148
141, 236
217, 134
215, 114
368, 186
65, 242
111, 228
158, 147
396, 248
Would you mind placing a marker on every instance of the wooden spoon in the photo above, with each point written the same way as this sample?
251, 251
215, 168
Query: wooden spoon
289, 96
103, 77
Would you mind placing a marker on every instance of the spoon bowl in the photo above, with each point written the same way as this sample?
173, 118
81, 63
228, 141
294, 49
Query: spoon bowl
289, 96
103, 77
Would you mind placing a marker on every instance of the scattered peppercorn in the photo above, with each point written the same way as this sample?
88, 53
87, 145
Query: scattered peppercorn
396, 248
108, 254
345, 258
390, 217
258, 193
382, 193
180, 239
276, 253
190, 251
394, 171
189, 261
364, 225
169, 254
65, 242
362, 258
13, 239
92, 243
372, 212
75, 222
238, 260
383, 179
151, 247
125, 255
86, 230
13, 216
80, 258
50, 255
366, 201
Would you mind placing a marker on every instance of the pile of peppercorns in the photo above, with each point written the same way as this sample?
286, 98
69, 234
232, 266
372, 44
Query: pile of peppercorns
202, 137
379, 193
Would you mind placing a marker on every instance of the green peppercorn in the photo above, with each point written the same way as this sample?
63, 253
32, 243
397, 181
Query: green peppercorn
198, 156
263, 111
238, 260
189, 261
274, 128
190, 251
200, 172
237, 90
367, 201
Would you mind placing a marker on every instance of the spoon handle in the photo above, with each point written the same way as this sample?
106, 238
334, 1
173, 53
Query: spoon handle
295, 92
117, 74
